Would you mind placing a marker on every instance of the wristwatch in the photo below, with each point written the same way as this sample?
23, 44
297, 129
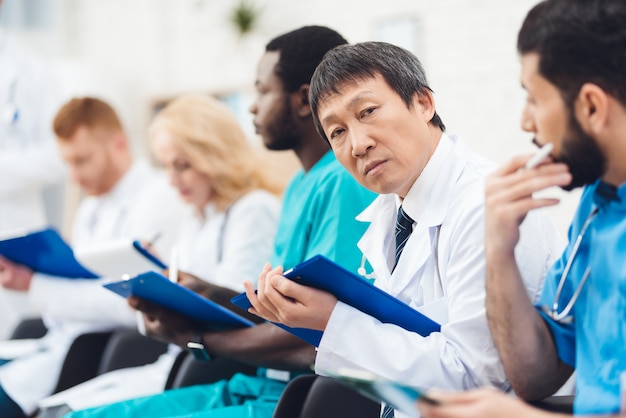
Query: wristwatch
196, 348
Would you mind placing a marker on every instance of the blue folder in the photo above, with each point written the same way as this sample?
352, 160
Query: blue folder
45, 252
158, 289
322, 273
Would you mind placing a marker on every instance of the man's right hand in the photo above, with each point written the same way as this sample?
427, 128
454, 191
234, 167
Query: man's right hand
163, 324
509, 197
479, 403
14, 276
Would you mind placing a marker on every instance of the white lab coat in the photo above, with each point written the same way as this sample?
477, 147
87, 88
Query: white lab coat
29, 160
224, 249
442, 277
138, 207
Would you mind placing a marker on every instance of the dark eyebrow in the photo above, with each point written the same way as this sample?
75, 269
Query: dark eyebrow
355, 101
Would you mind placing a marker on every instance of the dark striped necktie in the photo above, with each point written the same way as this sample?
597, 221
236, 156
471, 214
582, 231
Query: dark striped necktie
388, 412
404, 227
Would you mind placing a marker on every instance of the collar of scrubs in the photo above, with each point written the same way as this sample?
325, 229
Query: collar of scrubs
606, 194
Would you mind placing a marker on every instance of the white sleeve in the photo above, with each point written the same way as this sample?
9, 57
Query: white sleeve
79, 300
248, 240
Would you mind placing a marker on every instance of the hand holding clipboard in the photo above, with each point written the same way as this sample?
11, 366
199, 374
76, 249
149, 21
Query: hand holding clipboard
322, 273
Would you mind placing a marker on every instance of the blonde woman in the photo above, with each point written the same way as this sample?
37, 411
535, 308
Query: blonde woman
226, 237
232, 201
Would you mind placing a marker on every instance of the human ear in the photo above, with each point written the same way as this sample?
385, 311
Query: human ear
119, 140
592, 108
425, 105
300, 101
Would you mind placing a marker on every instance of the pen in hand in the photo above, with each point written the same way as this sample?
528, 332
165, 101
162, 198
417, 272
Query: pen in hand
539, 156
173, 269
154, 239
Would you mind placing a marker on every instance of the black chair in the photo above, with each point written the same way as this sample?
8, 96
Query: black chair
312, 396
128, 348
29, 328
82, 361
563, 404
94, 353
293, 397
187, 371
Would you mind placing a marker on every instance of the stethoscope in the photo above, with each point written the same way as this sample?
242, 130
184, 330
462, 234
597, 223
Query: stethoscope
564, 316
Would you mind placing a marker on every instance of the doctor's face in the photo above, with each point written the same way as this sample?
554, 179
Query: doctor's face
382, 143
547, 117
90, 157
194, 186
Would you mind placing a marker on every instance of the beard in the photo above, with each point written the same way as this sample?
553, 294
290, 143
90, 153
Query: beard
283, 134
582, 155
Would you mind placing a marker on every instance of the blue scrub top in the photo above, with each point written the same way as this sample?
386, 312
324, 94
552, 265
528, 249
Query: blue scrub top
595, 343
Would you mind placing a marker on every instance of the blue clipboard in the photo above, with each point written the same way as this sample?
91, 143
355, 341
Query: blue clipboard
158, 289
44, 251
322, 273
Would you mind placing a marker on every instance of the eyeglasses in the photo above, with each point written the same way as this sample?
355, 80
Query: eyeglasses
564, 316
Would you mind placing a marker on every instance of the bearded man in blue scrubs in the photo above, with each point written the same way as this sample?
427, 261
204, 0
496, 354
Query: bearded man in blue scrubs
573, 55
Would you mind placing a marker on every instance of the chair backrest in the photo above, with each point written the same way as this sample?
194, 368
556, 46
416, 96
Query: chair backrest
128, 348
187, 371
82, 360
293, 397
311, 396
94, 353
29, 328
557, 403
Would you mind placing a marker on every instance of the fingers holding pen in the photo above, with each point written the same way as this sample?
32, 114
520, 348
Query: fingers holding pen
262, 300
279, 299
512, 183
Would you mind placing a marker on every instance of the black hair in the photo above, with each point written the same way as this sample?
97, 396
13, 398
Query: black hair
400, 69
301, 51
578, 42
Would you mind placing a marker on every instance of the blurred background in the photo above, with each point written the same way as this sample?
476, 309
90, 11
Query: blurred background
137, 54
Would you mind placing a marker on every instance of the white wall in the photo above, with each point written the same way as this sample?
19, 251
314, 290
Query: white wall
138, 50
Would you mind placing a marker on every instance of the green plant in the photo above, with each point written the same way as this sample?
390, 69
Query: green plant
245, 17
